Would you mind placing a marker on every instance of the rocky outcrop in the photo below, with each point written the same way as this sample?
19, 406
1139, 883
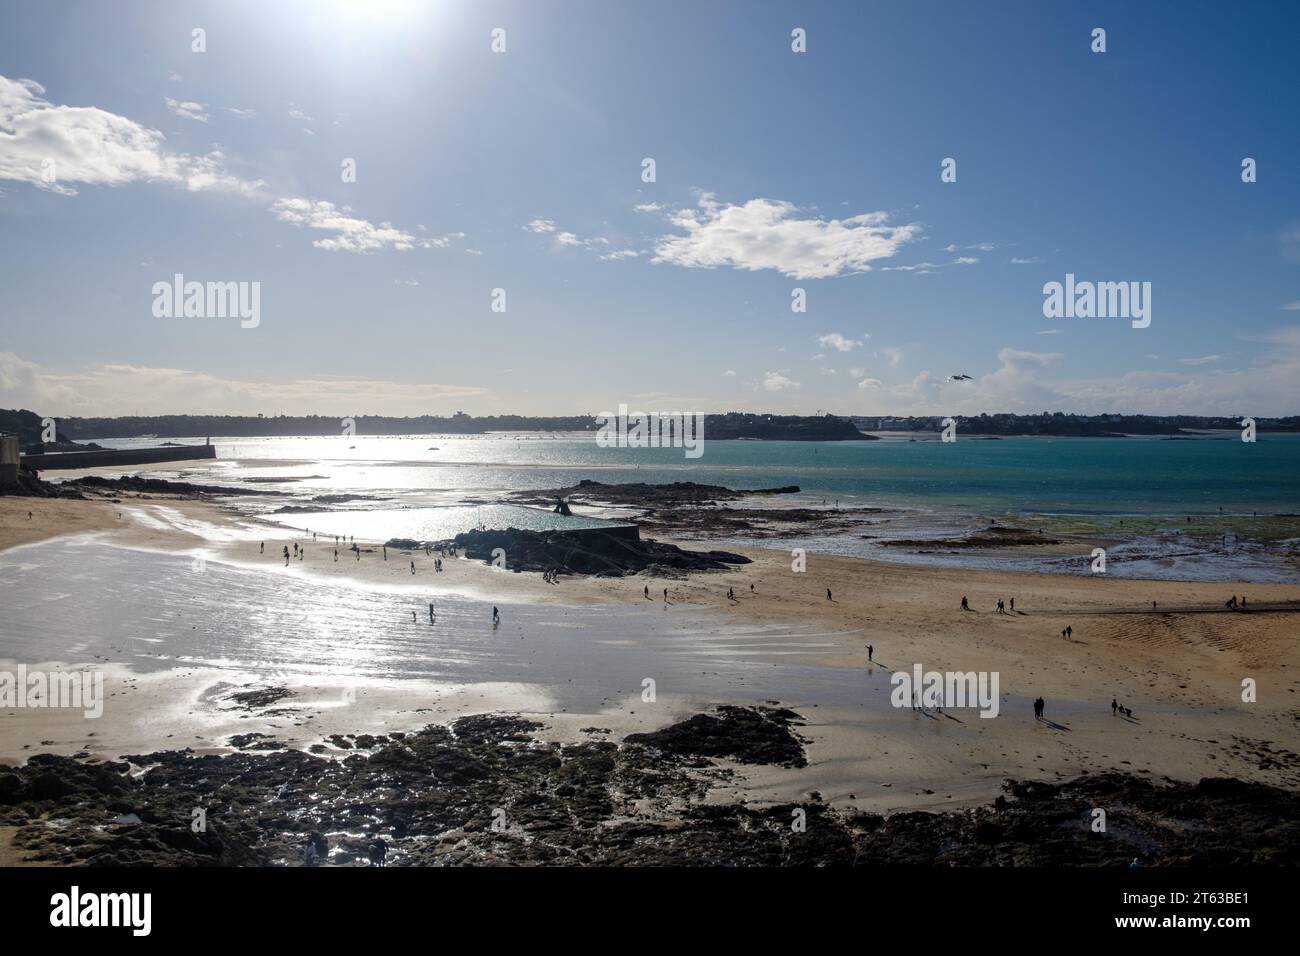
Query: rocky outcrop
611, 553
486, 791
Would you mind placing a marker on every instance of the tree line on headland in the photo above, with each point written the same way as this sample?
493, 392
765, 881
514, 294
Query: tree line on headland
28, 425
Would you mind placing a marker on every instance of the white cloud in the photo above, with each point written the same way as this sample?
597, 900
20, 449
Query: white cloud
241, 114
541, 225
766, 234
1024, 260
894, 354
838, 342
621, 254
776, 382
920, 268
871, 383
729, 373
60, 147
187, 109
965, 261
300, 116
351, 234
174, 77
648, 207
1201, 360
1292, 306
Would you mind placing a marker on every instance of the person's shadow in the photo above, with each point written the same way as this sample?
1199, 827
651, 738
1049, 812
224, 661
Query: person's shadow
1054, 725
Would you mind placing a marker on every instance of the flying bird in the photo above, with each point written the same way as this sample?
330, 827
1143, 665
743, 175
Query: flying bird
959, 378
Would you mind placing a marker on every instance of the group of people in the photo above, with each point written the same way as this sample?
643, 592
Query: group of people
1117, 708
1067, 633
1004, 607
1039, 706
551, 576
1232, 604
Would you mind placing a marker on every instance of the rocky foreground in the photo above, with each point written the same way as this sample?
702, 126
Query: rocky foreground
486, 791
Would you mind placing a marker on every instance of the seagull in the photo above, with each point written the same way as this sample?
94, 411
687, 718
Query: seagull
959, 378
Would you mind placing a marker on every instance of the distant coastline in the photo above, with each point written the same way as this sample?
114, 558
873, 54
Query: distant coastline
718, 427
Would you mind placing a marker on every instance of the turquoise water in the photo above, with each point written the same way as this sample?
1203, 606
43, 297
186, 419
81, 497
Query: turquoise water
1026, 475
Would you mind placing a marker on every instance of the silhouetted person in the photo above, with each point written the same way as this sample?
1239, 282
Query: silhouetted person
496, 616
964, 605
870, 651
1114, 706
431, 617
828, 594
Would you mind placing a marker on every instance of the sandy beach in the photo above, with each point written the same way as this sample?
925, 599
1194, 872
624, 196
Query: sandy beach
1179, 668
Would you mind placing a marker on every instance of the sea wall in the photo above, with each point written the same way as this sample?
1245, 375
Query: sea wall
113, 457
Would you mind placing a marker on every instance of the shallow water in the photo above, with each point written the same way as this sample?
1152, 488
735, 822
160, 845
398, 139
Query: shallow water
77, 601
430, 524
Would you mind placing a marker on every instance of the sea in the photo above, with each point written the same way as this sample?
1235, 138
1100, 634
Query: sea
1210, 507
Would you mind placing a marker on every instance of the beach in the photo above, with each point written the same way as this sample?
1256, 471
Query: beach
209, 621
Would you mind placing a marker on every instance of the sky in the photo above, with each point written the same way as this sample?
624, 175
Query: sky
498, 152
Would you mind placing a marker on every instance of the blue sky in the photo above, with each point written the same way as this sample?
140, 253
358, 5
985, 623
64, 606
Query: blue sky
522, 170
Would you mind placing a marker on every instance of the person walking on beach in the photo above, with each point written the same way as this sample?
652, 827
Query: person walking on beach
1114, 706
412, 617
964, 605
1069, 632
646, 591
828, 594
1013, 605
412, 567
870, 651
665, 595
432, 618
385, 552
286, 555
261, 549
496, 616
1000, 610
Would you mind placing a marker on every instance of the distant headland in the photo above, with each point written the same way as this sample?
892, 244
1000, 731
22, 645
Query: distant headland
718, 427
